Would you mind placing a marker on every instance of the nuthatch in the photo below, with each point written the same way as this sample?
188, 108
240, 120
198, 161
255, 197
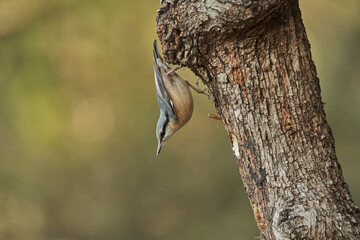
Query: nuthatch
174, 98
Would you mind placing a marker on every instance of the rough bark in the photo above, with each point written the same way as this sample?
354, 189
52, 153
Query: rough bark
255, 58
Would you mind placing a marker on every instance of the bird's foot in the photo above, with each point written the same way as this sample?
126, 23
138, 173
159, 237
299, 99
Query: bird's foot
198, 90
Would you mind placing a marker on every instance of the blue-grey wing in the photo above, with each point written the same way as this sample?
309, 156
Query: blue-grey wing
159, 80
166, 109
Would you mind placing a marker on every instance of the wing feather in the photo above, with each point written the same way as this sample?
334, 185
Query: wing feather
159, 80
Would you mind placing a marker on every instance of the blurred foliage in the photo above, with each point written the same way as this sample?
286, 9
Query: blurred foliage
77, 125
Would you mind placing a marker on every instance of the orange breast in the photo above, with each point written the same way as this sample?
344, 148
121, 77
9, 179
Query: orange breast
181, 96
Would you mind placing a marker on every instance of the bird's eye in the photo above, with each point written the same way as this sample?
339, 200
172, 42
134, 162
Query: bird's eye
162, 134
163, 130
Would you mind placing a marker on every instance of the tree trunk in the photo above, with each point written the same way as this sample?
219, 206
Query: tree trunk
254, 56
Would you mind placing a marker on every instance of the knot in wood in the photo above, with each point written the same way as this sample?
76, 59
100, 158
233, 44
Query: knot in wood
295, 222
189, 29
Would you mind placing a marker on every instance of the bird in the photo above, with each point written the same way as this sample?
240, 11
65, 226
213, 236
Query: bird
174, 98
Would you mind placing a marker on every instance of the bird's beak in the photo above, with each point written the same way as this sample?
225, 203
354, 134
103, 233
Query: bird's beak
159, 148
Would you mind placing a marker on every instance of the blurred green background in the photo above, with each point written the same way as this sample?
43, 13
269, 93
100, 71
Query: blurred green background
77, 125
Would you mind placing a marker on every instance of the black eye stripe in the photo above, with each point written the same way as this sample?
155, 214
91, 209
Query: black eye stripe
163, 130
